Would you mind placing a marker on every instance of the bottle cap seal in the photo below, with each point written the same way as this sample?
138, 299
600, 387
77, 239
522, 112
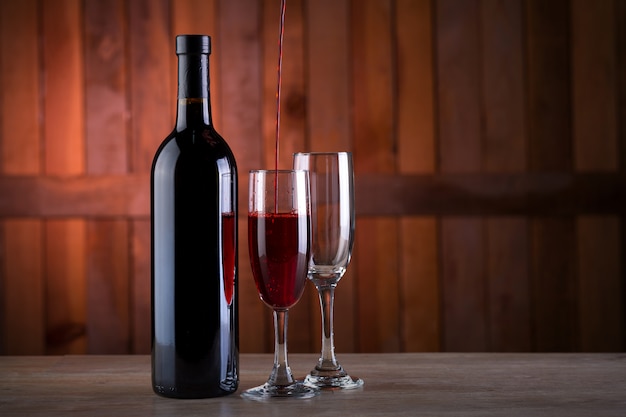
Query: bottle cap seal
193, 44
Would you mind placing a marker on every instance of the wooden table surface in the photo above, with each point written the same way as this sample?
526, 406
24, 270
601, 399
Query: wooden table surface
408, 384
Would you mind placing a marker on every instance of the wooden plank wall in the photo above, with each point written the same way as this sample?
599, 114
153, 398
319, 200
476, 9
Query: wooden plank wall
489, 144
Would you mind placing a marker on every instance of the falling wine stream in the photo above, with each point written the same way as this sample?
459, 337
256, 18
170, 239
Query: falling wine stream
281, 33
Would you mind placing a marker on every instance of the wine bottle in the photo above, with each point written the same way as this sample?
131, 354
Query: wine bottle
195, 340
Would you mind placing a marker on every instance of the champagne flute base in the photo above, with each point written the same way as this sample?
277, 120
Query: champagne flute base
268, 391
333, 382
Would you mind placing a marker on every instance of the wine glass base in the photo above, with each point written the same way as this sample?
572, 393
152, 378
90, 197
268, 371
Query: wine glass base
268, 391
333, 382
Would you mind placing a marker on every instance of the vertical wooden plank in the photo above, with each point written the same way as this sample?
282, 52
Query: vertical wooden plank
377, 272
594, 111
241, 82
66, 294
620, 90
20, 145
595, 144
152, 103
64, 94
108, 268
553, 279
549, 95
463, 272
601, 289
24, 310
22, 329
329, 129
372, 86
420, 293
140, 324
108, 152
620, 40
553, 286
376, 255
328, 75
419, 272
508, 273
504, 150
64, 136
106, 110
459, 123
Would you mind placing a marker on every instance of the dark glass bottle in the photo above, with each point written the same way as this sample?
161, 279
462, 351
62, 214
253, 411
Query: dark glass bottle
195, 340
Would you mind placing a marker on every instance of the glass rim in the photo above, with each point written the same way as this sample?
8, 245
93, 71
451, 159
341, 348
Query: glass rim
323, 153
280, 171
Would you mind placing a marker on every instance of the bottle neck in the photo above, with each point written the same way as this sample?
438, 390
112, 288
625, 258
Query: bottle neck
194, 103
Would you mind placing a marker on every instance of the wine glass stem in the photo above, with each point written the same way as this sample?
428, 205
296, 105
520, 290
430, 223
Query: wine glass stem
281, 374
327, 298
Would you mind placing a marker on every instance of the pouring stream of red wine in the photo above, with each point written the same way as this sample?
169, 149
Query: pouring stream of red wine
279, 70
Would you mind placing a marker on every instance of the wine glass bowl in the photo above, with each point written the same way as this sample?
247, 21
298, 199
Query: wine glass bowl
331, 179
279, 246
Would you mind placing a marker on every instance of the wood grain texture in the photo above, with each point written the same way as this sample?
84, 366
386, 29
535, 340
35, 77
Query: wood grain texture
329, 89
485, 127
460, 151
554, 281
593, 86
376, 195
21, 89
140, 290
504, 150
418, 241
376, 260
65, 142
601, 314
108, 292
23, 290
447, 384
106, 81
508, 288
23, 327
63, 95
65, 290
152, 103
548, 95
595, 146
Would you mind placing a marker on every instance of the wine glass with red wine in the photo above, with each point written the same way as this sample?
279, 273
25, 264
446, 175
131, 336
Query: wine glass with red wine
331, 179
279, 224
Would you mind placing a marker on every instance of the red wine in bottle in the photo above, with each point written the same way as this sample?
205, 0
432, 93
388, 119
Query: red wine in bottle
279, 253
194, 307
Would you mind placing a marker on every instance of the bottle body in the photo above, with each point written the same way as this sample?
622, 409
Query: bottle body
194, 259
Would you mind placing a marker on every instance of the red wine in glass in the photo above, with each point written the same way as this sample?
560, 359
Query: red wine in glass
279, 243
281, 254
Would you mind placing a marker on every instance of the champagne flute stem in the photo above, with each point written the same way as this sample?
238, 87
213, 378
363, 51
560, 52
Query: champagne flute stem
281, 374
328, 361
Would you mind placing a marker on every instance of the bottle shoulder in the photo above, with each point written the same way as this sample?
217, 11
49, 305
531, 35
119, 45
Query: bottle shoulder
196, 140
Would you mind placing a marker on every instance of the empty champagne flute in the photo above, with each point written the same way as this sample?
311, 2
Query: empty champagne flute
331, 179
279, 245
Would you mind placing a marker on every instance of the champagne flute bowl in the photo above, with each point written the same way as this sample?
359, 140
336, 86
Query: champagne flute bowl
279, 245
331, 178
